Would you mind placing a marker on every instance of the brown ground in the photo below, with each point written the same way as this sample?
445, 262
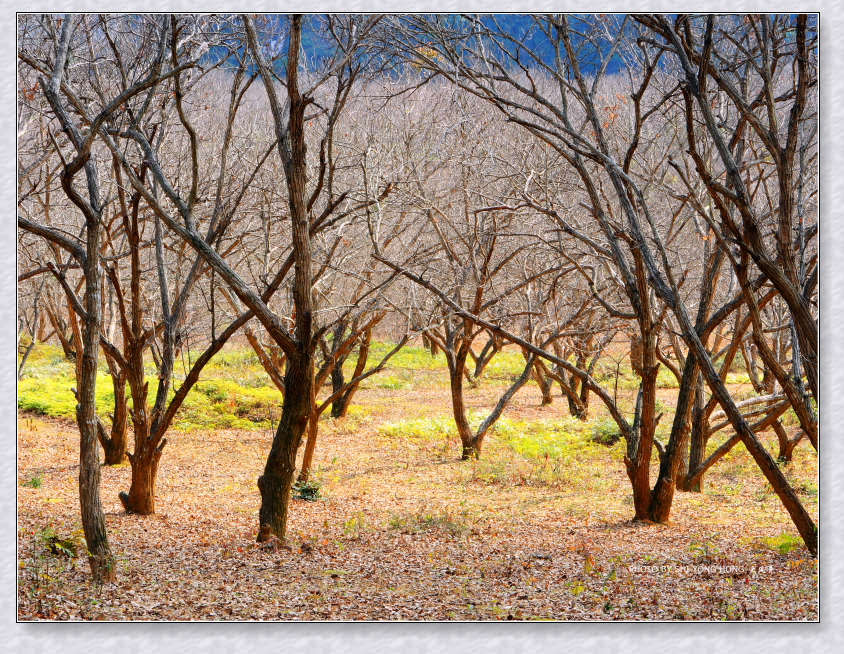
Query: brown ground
406, 531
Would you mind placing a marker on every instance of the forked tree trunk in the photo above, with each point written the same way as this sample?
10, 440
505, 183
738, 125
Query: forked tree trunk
338, 380
93, 519
340, 406
577, 396
786, 444
472, 441
638, 468
669, 469
584, 400
489, 350
577, 393
644, 362
471, 449
543, 381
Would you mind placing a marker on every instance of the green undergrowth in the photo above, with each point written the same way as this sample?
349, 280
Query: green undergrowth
552, 451
234, 391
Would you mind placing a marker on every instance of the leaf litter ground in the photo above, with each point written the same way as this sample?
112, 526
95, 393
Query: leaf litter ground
405, 531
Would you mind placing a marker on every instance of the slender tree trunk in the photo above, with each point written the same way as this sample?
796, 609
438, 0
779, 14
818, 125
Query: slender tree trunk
341, 405
669, 468
471, 446
277, 481
310, 445
698, 439
543, 381
93, 519
114, 445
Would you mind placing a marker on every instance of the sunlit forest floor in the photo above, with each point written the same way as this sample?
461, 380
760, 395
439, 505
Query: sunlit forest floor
538, 529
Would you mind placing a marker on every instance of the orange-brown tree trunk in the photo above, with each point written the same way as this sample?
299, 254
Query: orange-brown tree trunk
471, 446
310, 445
638, 460
114, 445
141, 496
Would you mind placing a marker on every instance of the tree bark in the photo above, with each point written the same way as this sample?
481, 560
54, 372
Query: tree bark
100, 557
277, 481
141, 496
93, 519
114, 445
662, 495
456, 367
340, 406
542, 380
310, 444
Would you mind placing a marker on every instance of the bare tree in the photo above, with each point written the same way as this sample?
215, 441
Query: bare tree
51, 80
488, 62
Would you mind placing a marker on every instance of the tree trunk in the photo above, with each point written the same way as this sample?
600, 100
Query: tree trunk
488, 351
543, 381
141, 496
801, 518
786, 444
114, 446
584, 400
310, 446
697, 440
669, 468
340, 406
277, 481
471, 447
93, 519
638, 461
640, 474
338, 380
577, 394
